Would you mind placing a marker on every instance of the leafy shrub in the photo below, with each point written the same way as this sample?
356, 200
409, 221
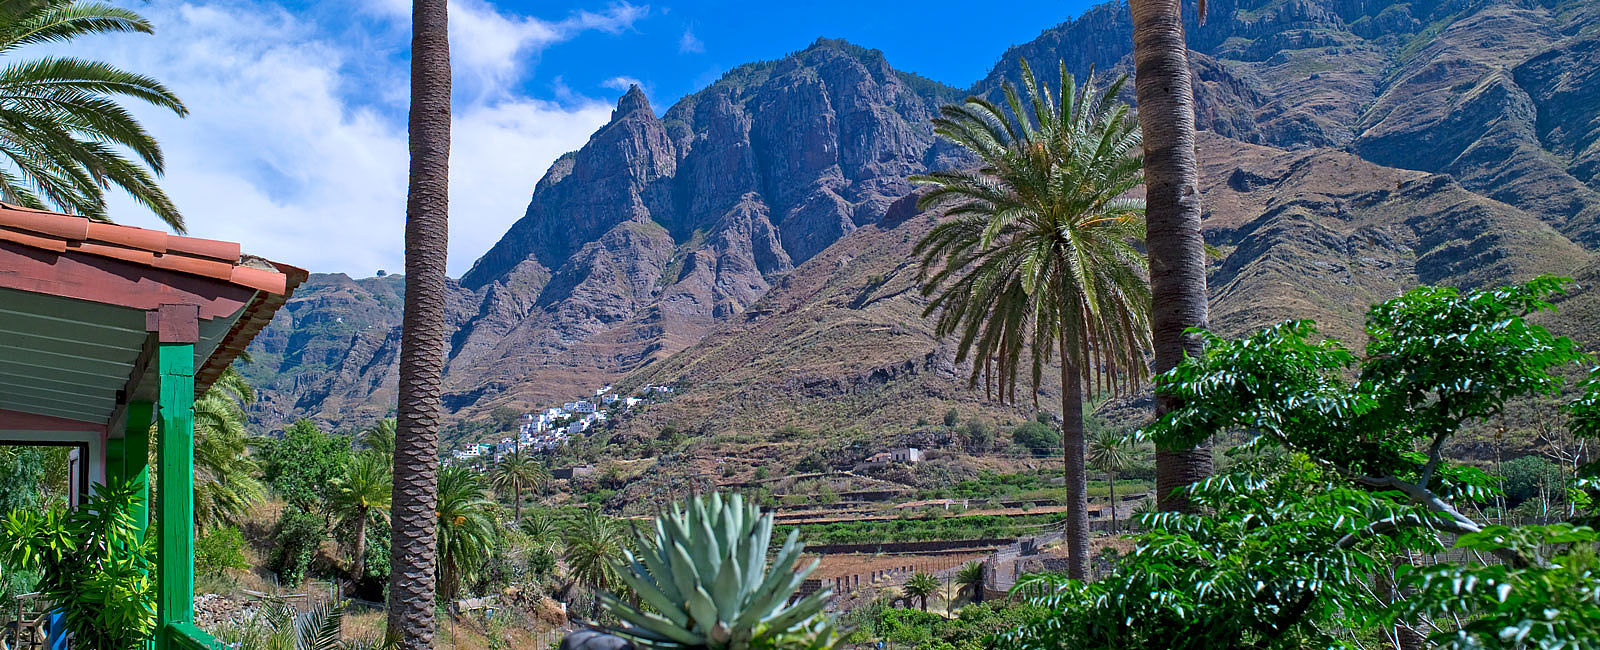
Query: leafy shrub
219, 550
951, 416
94, 564
299, 535
1038, 438
1527, 476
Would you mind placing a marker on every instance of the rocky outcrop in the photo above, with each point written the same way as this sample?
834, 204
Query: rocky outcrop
1484, 117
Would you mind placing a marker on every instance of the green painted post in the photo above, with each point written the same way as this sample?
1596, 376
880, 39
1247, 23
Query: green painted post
175, 517
136, 455
114, 468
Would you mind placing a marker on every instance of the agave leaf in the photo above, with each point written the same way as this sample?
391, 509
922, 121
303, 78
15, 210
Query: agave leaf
648, 591
703, 608
650, 622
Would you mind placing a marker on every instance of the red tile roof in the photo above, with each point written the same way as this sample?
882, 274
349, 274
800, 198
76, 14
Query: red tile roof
209, 258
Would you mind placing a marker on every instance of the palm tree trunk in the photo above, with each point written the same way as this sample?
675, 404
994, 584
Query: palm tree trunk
423, 337
516, 508
359, 569
1072, 454
1111, 484
1172, 214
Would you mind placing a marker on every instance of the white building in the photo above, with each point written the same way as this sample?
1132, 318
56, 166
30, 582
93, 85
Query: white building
584, 406
906, 455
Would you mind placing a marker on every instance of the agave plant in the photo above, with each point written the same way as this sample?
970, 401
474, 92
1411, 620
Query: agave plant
705, 583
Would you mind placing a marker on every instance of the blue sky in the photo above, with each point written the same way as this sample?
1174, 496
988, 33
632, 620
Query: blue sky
295, 145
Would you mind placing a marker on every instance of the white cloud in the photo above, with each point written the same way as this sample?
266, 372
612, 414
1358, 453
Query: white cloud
690, 44
621, 83
296, 141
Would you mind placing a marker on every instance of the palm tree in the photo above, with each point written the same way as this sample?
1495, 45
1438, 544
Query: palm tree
515, 471
1176, 248
466, 527
1109, 453
380, 439
970, 577
1039, 252
423, 334
594, 545
225, 486
364, 492
921, 585
542, 531
63, 135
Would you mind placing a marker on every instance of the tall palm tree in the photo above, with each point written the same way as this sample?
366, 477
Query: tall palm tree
466, 527
920, 586
593, 546
515, 471
380, 439
414, 538
1039, 252
63, 135
1172, 191
225, 485
364, 492
970, 577
1109, 452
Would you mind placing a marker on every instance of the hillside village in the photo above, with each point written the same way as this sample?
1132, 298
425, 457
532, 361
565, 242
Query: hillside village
545, 431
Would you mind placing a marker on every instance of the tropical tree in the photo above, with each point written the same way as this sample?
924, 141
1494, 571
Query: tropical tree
921, 585
225, 483
380, 439
542, 530
1172, 194
64, 136
970, 577
1110, 452
364, 492
593, 545
517, 470
1039, 253
466, 527
423, 334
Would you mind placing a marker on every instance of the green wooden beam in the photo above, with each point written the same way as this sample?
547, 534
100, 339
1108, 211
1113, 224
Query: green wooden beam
175, 460
115, 472
136, 455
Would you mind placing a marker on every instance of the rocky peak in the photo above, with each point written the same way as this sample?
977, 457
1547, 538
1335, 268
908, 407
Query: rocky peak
631, 102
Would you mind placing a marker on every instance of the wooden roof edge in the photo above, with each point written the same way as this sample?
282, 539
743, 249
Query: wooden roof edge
255, 317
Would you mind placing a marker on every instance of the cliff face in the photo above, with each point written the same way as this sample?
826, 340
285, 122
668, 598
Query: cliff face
1389, 143
1500, 95
633, 246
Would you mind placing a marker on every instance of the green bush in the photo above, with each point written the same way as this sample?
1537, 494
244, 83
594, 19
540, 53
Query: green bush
219, 550
1526, 476
1037, 437
299, 535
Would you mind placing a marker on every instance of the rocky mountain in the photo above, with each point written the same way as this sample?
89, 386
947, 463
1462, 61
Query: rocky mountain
839, 345
748, 241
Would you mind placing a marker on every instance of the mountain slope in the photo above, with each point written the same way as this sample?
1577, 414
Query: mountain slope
1315, 233
662, 230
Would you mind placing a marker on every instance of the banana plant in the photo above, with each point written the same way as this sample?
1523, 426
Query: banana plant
703, 581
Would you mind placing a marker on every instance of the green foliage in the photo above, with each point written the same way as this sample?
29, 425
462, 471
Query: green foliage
920, 586
918, 630
94, 564
279, 627
593, 543
64, 134
1037, 438
924, 529
304, 464
951, 416
1526, 477
1436, 357
1555, 604
218, 550
466, 527
704, 582
299, 535
1293, 543
225, 484
1040, 247
21, 470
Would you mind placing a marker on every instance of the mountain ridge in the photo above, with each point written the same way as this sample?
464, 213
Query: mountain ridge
662, 230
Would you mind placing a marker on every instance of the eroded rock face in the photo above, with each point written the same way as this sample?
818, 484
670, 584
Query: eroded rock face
661, 229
